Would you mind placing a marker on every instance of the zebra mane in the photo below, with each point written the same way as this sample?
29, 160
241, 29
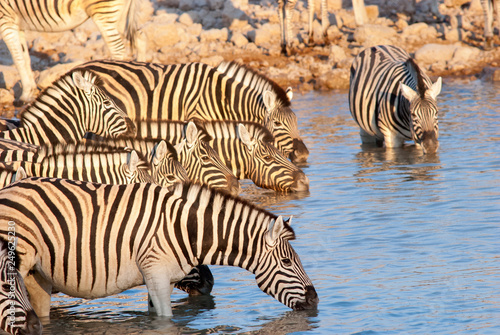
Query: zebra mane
228, 129
416, 72
65, 78
251, 78
189, 188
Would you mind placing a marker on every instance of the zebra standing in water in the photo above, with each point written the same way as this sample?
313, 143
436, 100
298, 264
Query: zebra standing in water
94, 240
393, 100
112, 18
248, 150
195, 90
489, 6
17, 315
72, 106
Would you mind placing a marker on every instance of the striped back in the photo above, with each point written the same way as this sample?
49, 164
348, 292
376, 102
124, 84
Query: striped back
72, 106
17, 315
98, 164
248, 150
392, 99
131, 234
280, 120
195, 90
7, 144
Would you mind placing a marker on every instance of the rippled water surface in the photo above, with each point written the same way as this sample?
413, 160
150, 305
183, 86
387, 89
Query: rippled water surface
394, 241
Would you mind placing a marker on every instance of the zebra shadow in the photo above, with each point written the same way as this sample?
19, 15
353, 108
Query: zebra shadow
408, 163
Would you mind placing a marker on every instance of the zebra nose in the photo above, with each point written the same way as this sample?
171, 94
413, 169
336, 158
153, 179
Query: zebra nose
430, 143
33, 324
131, 129
300, 181
300, 152
233, 185
310, 302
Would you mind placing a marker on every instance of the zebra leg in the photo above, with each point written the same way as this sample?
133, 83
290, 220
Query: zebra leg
39, 291
488, 23
16, 43
110, 34
369, 139
360, 16
157, 280
140, 46
199, 281
310, 5
325, 21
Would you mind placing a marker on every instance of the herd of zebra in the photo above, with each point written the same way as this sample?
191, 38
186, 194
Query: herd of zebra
124, 173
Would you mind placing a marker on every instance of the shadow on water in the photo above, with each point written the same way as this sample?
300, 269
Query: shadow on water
405, 164
190, 309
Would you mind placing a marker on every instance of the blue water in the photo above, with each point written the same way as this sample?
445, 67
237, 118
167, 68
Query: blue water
394, 241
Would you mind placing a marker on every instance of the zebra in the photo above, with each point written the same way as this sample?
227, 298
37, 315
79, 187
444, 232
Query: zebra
8, 124
94, 240
392, 99
72, 106
18, 316
488, 7
248, 150
6, 144
151, 91
111, 17
281, 120
201, 161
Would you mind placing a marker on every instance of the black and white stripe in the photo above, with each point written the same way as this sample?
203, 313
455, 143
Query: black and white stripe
112, 18
72, 106
149, 91
17, 314
94, 240
392, 99
247, 149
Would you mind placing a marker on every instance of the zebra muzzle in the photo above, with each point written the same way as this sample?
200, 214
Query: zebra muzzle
311, 300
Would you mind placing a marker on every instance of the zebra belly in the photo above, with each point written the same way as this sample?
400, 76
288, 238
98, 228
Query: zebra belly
77, 18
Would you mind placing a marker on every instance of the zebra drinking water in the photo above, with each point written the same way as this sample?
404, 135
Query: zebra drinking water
393, 100
72, 106
111, 17
17, 315
151, 91
94, 240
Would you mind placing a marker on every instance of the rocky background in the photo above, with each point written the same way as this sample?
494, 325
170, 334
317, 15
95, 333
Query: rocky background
248, 31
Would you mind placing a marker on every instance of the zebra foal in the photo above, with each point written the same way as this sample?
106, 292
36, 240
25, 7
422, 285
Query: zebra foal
393, 100
94, 240
17, 315
72, 106
112, 18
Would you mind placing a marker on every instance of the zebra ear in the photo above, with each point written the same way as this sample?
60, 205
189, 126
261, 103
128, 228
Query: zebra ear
133, 159
81, 82
160, 152
269, 100
289, 94
435, 89
20, 174
408, 92
178, 147
245, 135
274, 230
191, 133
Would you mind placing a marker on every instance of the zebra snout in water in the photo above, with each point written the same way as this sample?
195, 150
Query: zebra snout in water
33, 325
429, 143
300, 152
310, 302
300, 182
131, 128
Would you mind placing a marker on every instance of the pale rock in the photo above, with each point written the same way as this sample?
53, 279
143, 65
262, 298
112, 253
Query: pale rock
231, 14
267, 34
47, 77
242, 4
337, 54
213, 60
194, 30
372, 12
6, 97
239, 40
451, 35
219, 35
464, 54
373, 33
186, 19
162, 34
333, 79
414, 29
432, 53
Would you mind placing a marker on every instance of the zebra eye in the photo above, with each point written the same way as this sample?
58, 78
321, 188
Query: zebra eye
107, 103
6, 287
286, 262
170, 178
268, 158
205, 159
277, 124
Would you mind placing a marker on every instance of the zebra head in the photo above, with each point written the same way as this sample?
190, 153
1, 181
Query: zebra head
267, 167
137, 169
18, 316
203, 164
101, 115
282, 123
424, 115
279, 272
166, 168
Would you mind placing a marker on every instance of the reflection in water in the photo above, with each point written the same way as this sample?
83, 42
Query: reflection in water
408, 163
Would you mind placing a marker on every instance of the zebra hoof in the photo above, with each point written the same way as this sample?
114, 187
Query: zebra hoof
488, 43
